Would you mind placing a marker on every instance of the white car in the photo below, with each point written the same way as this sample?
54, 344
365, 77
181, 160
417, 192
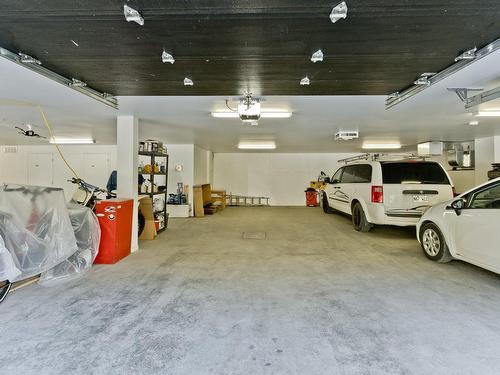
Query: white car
466, 228
386, 192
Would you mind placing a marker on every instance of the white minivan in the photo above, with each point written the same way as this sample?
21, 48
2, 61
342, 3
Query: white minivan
386, 192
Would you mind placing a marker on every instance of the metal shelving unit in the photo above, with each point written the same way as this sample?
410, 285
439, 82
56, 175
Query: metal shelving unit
153, 157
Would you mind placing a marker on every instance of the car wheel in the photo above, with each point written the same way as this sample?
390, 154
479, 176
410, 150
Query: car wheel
326, 207
359, 220
433, 243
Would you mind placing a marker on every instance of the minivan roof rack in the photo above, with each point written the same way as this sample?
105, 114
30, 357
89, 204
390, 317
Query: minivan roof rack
379, 157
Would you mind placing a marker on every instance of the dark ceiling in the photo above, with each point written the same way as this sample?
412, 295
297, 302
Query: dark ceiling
264, 46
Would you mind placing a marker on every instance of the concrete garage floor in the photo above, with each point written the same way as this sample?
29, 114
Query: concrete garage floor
313, 297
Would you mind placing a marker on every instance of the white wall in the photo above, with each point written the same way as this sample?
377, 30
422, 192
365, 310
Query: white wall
485, 155
183, 155
14, 167
203, 166
281, 177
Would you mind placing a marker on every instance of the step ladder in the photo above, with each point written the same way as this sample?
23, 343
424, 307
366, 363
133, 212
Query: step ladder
243, 200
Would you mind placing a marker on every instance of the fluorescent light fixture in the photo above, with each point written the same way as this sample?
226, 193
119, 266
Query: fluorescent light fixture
167, 57
71, 141
132, 15
27, 59
338, 12
305, 81
467, 55
229, 114
317, 56
257, 145
188, 82
488, 114
474, 123
381, 146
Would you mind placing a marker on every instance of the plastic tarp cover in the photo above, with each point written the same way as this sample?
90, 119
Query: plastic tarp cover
35, 228
88, 234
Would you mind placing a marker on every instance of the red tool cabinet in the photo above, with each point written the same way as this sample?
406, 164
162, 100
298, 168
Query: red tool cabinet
115, 219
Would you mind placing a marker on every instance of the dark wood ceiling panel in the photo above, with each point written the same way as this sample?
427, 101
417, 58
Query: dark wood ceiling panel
263, 46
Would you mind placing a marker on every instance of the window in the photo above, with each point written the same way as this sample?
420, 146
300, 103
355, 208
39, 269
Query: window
348, 175
363, 173
413, 172
337, 175
487, 198
359, 173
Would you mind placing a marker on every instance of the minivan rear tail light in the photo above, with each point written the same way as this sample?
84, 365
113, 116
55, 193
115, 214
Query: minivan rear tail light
454, 191
377, 194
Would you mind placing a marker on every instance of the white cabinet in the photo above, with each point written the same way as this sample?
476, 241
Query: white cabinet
96, 169
40, 169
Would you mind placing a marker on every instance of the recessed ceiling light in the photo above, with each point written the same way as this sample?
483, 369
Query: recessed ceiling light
27, 59
338, 12
467, 55
230, 114
257, 145
305, 81
317, 56
473, 123
132, 15
71, 141
381, 146
188, 82
488, 114
167, 57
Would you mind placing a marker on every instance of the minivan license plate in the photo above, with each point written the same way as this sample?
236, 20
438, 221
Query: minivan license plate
420, 198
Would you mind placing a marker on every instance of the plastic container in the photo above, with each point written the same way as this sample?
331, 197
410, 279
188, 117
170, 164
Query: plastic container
311, 197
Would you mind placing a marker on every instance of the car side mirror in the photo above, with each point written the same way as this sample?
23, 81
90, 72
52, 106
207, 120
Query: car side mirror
326, 180
458, 205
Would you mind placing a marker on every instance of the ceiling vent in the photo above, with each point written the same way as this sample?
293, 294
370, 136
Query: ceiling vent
346, 135
10, 149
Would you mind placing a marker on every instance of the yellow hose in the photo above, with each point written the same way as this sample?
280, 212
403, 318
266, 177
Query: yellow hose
47, 125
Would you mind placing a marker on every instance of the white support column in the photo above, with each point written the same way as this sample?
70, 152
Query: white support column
496, 143
127, 140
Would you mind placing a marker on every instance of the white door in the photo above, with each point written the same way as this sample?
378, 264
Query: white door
40, 169
477, 230
96, 169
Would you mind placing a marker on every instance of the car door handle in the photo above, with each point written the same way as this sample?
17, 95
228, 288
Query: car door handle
336, 187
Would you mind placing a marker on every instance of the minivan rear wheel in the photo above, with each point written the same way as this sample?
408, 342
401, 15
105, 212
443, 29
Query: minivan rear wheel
433, 243
359, 220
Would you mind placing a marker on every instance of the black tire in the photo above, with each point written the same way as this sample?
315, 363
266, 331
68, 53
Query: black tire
141, 221
326, 207
359, 220
433, 243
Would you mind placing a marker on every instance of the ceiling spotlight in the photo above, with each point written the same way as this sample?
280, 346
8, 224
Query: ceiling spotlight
393, 95
338, 12
467, 55
132, 15
423, 80
473, 123
188, 82
305, 81
317, 56
167, 57
27, 59
77, 83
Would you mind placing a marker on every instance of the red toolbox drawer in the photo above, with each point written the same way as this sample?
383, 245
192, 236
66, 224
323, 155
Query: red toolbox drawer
115, 219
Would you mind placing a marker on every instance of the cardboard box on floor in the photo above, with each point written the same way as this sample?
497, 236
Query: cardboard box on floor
146, 207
